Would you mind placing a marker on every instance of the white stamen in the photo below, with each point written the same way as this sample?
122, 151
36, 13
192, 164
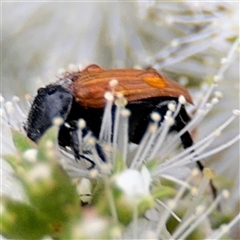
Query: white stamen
106, 127
217, 149
123, 133
225, 228
168, 114
169, 208
169, 121
143, 147
116, 130
202, 214
161, 136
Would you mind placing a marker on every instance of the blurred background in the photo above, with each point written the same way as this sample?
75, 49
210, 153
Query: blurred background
187, 41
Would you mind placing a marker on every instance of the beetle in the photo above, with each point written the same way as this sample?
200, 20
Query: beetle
81, 95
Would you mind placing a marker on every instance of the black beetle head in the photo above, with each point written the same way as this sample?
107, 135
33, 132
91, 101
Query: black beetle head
51, 102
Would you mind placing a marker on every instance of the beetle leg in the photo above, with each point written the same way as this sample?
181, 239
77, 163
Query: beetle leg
188, 142
68, 136
74, 144
213, 188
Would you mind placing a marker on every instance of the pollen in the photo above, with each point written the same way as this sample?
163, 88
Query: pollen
209, 173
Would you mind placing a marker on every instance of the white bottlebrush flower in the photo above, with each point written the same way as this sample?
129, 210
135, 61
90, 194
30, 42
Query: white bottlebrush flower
126, 34
135, 184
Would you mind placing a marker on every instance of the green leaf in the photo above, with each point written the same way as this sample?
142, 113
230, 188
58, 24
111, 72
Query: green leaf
21, 221
21, 141
47, 146
54, 195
